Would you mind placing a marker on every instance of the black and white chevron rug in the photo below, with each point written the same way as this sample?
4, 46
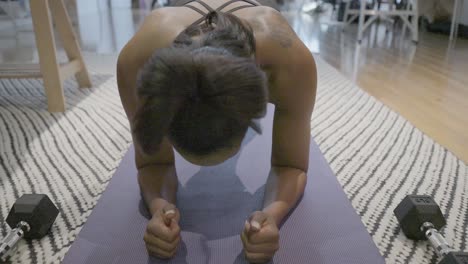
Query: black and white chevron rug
69, 157
377, 155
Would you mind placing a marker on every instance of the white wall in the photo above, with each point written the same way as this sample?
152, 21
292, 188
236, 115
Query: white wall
89, 6
121, 3
104, 29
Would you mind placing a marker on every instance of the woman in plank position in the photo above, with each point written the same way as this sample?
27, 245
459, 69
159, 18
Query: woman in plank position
193, 81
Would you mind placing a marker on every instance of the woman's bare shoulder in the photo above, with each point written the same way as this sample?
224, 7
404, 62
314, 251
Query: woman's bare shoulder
158, 30
273, 34
154, 33
265, 20
283, 55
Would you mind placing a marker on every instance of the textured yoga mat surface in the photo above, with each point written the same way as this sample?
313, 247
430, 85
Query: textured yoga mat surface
214, 203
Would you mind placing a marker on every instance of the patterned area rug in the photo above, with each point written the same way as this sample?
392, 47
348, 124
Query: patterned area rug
70, 157
378, 157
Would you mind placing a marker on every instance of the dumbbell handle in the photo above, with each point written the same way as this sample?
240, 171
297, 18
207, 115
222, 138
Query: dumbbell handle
436, 239
8, 244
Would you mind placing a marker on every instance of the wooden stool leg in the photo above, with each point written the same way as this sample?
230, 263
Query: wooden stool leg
47, 57
70, 43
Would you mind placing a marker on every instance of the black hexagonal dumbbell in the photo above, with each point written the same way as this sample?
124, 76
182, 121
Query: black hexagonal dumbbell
420, 218
31, 217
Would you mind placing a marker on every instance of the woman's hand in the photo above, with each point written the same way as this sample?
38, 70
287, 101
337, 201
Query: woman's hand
260, 238
162, 234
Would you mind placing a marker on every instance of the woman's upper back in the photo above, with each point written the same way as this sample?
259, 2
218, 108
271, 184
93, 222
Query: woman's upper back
278, 51
203, 7
275, 41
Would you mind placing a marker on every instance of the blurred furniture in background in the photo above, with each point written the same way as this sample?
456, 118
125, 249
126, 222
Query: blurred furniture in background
456, 16
375, 11
9, 10
53, 73
6, 9
160, 3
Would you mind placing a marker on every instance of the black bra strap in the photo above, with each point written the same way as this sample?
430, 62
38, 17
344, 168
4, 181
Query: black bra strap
226, 4
196, 9
217, 9
250, 2
233, 1
188, 2
205, 5
237, 8
198, 21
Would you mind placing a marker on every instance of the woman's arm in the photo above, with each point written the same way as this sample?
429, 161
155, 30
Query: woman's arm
294, 97
293, 89
157, 177
290, 157
156, 173
158, 185
284, 188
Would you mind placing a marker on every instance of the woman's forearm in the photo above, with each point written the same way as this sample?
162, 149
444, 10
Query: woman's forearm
158, 185
284, 188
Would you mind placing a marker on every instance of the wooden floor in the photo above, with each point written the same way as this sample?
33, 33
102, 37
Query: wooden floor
426, 83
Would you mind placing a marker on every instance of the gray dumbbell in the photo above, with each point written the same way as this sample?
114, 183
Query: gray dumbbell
420, 218
31, 217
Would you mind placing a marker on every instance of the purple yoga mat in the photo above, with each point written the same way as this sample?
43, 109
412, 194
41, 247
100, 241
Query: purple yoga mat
214, 203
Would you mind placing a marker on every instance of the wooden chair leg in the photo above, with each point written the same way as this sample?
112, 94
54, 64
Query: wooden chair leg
70, 43
50, 68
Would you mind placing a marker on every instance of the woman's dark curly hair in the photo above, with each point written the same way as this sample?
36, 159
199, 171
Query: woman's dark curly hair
203, 92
